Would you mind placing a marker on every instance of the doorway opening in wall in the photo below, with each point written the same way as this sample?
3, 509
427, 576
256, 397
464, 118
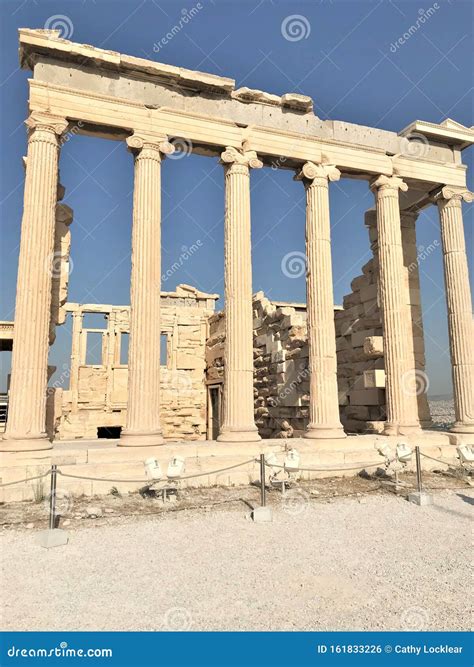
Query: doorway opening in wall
109, 432
214, 403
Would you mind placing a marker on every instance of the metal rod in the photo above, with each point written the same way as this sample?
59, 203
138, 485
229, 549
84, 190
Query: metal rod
418, 469
263, 499
52, 498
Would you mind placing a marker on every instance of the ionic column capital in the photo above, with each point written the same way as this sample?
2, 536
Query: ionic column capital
388, 185
156, 146
232, 158
318, 174
43, 126
449, 193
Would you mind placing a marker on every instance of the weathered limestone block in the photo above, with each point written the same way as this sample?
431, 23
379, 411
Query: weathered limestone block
374, 379
373, 346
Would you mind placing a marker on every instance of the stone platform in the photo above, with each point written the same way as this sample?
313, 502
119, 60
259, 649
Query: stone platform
104, 459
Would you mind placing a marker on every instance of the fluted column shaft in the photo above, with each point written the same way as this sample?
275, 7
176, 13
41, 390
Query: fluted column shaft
458, 299
26, 427
324, 419
402, 409
143, 426
239, 422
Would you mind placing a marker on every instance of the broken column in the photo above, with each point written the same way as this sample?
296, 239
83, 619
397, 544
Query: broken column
324, 419
402, 410
239, 422
458, 299
26, 426
143, 411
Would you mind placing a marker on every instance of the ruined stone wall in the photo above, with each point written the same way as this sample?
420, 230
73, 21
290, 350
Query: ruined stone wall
281, 386
97, 393
361, 371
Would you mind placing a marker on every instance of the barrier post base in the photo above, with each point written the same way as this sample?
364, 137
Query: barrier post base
55, 537
262, 515
420, 498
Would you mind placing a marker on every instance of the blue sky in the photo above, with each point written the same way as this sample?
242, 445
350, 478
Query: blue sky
343, 60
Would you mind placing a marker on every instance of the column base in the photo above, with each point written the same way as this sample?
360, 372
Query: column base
247, 435
324, 432
460, 427
402, 429
35, 444
137, 439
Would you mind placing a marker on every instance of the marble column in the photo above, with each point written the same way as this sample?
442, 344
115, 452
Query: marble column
401, 400
143, 426
239, 422
458, 299
26, 426
324, 419
416, 339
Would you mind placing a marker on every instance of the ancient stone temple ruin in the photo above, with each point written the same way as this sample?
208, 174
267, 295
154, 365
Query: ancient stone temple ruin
261, 368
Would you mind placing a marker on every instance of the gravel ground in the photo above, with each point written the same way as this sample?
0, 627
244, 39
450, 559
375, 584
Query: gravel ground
374, 562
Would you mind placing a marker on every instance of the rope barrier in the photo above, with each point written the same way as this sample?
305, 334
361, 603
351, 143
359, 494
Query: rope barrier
27, 479
151, 481
446, 463
361, 466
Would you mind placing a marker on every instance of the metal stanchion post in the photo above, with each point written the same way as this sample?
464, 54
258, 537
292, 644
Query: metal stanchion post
52, 497
418, 469
53, 537
263, 513
419, 497
262, 481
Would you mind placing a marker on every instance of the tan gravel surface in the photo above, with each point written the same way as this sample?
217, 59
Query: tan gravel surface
374, 562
